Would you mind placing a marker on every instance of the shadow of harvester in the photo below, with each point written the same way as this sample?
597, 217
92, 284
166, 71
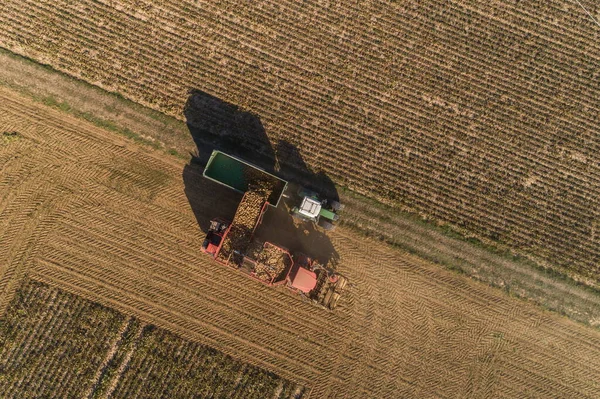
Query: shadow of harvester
218, 125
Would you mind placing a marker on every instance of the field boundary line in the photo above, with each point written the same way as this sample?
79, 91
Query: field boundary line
48, 273
110, 355
588, 13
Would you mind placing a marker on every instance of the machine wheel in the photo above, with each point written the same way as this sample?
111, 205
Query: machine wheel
326, 225
304, 297
336, 206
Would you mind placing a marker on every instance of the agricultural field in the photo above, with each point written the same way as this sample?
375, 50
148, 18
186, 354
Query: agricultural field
95, 215
51, 342
481, 114
55, 344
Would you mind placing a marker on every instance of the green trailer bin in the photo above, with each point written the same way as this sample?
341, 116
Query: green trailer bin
232, 172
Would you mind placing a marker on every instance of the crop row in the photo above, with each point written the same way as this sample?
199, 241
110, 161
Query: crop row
52, 342
445, 108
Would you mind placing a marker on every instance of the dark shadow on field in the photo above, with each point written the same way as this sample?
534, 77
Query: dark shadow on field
293, 167
207, 198
217, 125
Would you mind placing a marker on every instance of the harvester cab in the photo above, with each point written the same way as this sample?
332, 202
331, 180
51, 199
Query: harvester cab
324, 213
214, 236
301, 277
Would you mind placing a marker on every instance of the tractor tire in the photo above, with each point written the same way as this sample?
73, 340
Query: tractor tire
336, 206
327, 225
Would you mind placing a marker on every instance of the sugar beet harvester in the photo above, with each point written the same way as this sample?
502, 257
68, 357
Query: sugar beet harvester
233, 243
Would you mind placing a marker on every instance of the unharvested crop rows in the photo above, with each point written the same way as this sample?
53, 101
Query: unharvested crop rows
187, 369
476, 99
43, 331
405, 328
61, 327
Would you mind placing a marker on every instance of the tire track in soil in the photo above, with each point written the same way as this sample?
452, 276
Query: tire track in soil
405, 328
282, 49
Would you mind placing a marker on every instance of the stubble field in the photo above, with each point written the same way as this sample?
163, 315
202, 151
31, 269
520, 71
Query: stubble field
90, 213
477, 113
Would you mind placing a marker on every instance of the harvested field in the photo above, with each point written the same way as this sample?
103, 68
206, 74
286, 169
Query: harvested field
55, 344
481, 114
405, 328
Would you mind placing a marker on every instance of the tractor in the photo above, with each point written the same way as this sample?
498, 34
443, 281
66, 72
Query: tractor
322, 212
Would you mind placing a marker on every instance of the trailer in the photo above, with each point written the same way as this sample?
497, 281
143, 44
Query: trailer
238, 175
273, 265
